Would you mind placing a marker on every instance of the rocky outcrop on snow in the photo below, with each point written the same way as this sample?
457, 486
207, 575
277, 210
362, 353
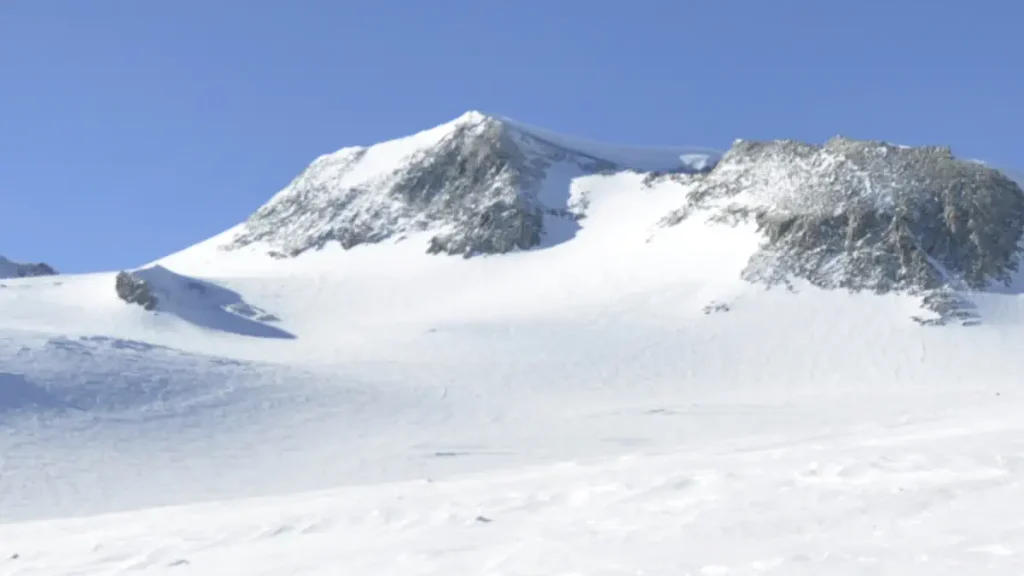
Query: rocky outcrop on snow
478, 185
134, 290
11, 269
866, 215
199, 302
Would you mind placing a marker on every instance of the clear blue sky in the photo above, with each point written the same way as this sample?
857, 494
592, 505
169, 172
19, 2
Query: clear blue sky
130, 129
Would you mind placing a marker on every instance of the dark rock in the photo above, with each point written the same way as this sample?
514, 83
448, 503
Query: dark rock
864, 215
10, 269
714, 307
477, 185
478, 190
40, 269
134, 290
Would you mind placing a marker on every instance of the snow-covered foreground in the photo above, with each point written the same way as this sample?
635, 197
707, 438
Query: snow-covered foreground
933, 496
619, 402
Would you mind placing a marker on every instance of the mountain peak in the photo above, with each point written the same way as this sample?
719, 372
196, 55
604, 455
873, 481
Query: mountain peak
478, 184
11, 269
475, 117
866, 215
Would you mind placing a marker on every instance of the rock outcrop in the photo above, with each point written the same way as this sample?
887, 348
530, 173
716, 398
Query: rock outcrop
865, 215
479, 185
11, 269
134, 290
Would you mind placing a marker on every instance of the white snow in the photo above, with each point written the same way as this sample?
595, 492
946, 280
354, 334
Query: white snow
930, 501
373, 190
568, 410
361, 165
635, 157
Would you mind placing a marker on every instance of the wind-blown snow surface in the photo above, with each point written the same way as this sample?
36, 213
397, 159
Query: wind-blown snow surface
481, 184
621, 403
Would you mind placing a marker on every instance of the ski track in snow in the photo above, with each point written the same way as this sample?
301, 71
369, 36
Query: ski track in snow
620, 403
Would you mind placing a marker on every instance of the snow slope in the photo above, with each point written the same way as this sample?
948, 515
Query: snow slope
619, 403
647, 159
937, 498
478, 185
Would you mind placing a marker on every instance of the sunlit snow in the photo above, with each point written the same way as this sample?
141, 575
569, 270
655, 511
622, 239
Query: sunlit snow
621, 403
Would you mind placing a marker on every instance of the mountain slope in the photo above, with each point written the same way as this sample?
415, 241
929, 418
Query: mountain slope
869, 215
10, 269
573, 393
631, 337
479, 184
937, 497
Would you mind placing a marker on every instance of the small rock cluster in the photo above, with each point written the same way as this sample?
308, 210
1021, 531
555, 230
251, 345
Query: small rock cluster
134, 290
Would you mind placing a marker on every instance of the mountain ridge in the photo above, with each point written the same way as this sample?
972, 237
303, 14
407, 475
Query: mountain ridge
623, 382
481, 184
12, 269
900, 218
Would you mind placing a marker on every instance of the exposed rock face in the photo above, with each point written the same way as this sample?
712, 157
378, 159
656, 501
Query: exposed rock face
476, 183
134, 291
480, 186
866, 215
10, 269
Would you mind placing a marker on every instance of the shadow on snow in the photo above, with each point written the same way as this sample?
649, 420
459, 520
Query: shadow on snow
208, 305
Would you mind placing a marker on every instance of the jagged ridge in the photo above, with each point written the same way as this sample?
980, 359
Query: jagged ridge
866, 215
481, 184
11, 269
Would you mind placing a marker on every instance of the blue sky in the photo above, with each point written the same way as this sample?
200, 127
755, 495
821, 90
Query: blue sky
131, 129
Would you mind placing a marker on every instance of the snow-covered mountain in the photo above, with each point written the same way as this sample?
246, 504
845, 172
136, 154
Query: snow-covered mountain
613, 383
11, 269
869, 215
849, 214
479, 184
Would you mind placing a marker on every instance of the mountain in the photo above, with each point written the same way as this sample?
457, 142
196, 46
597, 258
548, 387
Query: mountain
862, 215
789, 357
10, 269
849, 214
479, 184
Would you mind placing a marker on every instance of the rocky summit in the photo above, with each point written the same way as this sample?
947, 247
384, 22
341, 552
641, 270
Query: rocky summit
11, 269
846, 214
865, 215
478, 185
